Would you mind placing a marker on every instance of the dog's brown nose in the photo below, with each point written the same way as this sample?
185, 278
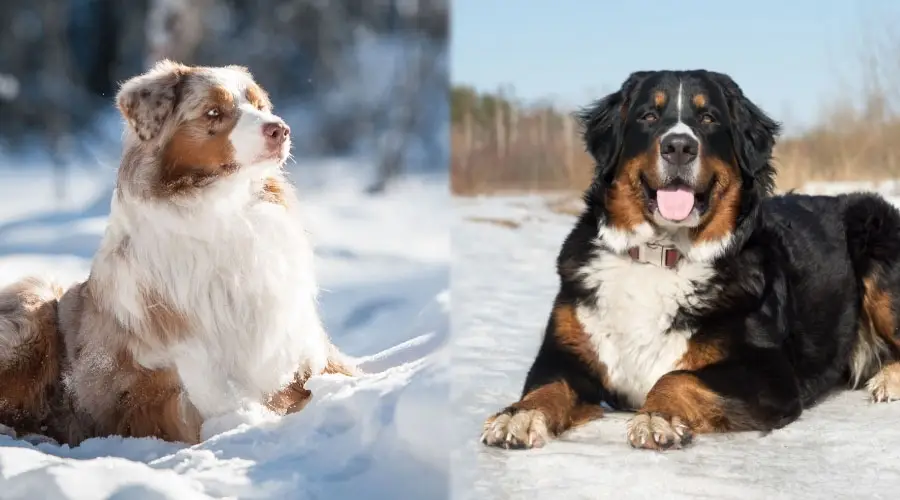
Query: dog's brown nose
276, 133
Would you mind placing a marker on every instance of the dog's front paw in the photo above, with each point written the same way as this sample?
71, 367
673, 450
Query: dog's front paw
299, 403
885, 385
656, 431
517, 429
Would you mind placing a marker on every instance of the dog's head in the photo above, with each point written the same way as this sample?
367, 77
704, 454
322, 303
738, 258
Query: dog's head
191, 126
680, 155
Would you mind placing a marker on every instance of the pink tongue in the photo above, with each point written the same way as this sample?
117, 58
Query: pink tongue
675, 204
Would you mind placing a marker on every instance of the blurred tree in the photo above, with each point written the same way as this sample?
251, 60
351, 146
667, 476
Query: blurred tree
175, 29
369, 76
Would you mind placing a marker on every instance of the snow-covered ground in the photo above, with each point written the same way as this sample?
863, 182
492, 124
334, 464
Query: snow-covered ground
383, 263
503, 284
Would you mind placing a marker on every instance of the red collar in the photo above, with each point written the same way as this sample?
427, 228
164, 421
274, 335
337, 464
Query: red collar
658, 255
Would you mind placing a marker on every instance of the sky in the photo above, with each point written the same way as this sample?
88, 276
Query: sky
789, 56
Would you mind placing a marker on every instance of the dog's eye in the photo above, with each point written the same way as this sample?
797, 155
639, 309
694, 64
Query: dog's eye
649, 117
707, 119
214, 113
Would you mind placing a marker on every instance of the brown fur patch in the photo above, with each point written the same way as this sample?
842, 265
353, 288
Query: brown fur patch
879, 311
293, 398
71, 308
725, 201
877, 341
200, 150
220, 98
559, 405
273, 192
583, 414
682, 395
557, 401
571, 335
700, 354
625, 198
335, 367
258, 97
29, 379
659, 98
115, 394
155, 406
163, 320
699, 100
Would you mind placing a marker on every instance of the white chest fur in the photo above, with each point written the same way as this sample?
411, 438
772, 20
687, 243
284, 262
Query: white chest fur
630, 324
243, 273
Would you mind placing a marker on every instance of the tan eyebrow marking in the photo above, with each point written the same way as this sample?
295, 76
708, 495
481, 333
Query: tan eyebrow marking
221, 96
700, 100
257, 97
659, 98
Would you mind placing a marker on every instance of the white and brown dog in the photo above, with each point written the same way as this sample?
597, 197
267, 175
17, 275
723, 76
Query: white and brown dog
201, 298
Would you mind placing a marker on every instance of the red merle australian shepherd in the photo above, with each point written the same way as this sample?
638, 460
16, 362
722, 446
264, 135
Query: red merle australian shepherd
692, 296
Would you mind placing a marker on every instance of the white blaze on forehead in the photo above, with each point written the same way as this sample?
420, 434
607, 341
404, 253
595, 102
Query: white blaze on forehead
680, 101
679, 128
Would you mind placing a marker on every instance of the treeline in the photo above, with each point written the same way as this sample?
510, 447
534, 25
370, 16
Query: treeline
502, 144
62, 60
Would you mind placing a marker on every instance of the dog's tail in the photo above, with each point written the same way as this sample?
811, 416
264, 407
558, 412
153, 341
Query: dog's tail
30, 353
873, 243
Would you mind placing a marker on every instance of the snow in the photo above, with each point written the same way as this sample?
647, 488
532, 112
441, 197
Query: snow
503, 284
383, 263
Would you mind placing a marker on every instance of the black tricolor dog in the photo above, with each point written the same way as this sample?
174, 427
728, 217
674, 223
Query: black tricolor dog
691, 295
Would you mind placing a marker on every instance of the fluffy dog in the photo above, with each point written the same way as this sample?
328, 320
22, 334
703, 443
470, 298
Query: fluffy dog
693, 296
201, 298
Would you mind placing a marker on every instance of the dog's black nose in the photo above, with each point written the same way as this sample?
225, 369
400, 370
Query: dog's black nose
679, 149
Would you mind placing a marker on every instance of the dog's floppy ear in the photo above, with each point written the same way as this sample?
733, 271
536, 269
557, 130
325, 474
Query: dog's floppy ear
754, 133
147, 100
603, 123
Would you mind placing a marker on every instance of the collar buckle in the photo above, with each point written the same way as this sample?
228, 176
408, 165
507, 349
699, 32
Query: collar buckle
655, 254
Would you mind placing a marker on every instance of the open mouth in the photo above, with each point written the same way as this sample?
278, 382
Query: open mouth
676, 201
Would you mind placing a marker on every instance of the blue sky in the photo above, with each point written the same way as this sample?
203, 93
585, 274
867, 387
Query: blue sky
789, 56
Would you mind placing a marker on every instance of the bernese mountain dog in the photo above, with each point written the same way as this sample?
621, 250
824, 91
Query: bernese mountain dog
692, 295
